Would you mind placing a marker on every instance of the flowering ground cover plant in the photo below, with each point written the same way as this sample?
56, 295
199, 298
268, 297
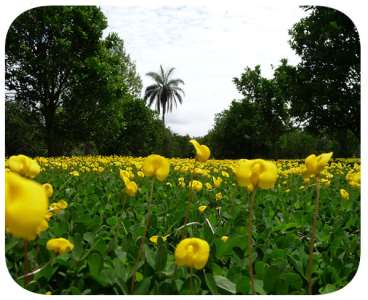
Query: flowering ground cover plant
125, 225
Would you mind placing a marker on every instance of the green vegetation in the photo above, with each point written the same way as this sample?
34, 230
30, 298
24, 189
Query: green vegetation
65, 83
106, 227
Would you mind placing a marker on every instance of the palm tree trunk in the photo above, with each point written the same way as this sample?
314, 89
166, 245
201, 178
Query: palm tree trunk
163, 117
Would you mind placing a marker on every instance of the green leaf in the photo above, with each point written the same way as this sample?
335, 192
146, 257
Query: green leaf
242, 284
95, 262
138, 276
161, 256
211, 284
270, 278
112, 220
179, 284
258, 286
143, 287
89, 237
120, 254
294, 280
150, 257
46, 272
329, 288
225, 283
260, 268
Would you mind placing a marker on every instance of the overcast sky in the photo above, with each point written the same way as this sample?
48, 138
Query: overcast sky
208, 46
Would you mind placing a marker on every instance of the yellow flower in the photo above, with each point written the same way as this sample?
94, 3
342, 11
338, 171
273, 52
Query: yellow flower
195, 185
181, 182
315, 164
225, 174
125, 179
24, 165
57, 207
256, 173
125, 174
325, 182
344, 194
48, 216
192, 252
157, 166
43, 226
202, 208
154, 239
25, 206
131, 188
140, 174
353, 179
62, 204
74, 173
59, 245
48, 188
202, 151
208, 186
217, 181
224, 238
218, 196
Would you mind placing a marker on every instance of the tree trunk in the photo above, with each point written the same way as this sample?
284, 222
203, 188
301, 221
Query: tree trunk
50, 131
163, 117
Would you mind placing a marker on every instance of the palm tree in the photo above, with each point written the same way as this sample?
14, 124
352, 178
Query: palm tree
165, 91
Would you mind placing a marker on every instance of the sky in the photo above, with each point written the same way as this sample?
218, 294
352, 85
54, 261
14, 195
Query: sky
208, 46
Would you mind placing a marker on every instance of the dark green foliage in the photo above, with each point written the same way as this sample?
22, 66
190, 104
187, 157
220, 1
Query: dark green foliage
22, 130
311, 107
327, 85
251, 126
58, 66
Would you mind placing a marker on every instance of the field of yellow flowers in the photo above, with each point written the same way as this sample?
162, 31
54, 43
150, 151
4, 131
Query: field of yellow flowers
125, 225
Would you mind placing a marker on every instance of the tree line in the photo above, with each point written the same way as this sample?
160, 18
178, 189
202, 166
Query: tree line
311, 107
71, 91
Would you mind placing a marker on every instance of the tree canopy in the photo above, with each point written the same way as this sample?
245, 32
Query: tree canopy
58, 65
318, 100
326, 93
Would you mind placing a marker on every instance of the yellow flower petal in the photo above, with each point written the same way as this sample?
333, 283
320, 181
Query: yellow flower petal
59, 245
26, 206
192, 252
202, 151
156, 166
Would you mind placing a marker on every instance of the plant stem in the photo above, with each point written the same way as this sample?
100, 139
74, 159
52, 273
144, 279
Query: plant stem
190, 281
189, 206
141, 247
250, 241
25, 263
313, 236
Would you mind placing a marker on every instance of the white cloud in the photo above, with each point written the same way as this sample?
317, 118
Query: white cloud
208, 46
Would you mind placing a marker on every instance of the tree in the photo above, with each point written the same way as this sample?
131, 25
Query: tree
23, 134
327, 84
165, 91
109, 80
58, 65
266, 98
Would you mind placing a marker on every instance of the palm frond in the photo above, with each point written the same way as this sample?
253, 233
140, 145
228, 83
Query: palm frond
156, 77
169, 73
178, 89
175, 82
165, 93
